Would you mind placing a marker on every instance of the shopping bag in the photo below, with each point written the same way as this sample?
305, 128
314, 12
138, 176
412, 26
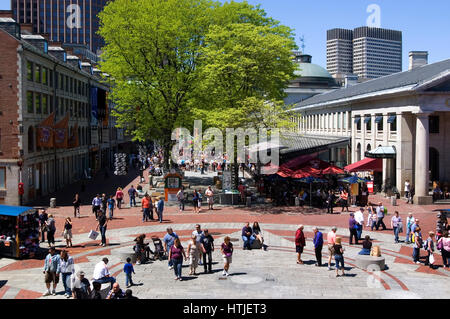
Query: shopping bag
431, 260
93, 235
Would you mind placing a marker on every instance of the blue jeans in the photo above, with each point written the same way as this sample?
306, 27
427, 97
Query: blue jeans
132, 200
339, 259
160, 216
359, 231
105, 280
111, 212
146, 214
103, 233
128, 280
65, 279
364, 251
248, 241
408, 234
396, 232
181, 204
177, 266
416, 254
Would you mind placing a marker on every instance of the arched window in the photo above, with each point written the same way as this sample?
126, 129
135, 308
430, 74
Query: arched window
369, 148
30, 139
358, 152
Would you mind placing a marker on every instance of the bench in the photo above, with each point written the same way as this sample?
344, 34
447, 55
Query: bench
367, 262
255, 245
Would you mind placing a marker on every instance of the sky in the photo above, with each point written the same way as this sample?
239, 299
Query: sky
425, 24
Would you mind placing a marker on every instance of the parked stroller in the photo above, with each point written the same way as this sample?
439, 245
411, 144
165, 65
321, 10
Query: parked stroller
159, 248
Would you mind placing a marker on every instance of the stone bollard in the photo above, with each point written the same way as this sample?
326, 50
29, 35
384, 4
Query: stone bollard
394, 200
297, 201
52, 202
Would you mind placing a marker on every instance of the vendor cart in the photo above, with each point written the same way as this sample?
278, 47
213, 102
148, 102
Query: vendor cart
19, 231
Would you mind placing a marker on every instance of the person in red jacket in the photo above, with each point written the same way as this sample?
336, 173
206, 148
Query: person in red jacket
300, 242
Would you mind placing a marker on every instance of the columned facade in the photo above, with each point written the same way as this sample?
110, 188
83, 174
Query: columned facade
422, 160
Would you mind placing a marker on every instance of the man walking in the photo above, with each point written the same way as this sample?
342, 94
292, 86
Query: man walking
359, 217
380, 216
160, 209
180, 198
52, 270
132, 193
352, 228
208, 244
146, 208
330, 202
168, 240
318, 244
331, 239
210, 197
43, 225
96, 205
102, 224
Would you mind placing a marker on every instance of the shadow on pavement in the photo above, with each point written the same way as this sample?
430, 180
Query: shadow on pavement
3, 282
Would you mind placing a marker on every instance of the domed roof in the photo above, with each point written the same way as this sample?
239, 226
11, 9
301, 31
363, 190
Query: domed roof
311, 70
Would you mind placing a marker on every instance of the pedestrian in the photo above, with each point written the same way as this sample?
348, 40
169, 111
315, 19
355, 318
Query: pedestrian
95, 293
330, 202
115, 292
111, 205
359, 217
418, 243
51, 229
200, 200
227, 254
367, 246
318, 245
194, 251
380, 216
247, 236
208, 244
67, 233
52, 270
396, 224
76, 206
67, 269
429, 248
180, 198
331, 240
129, 294
81, 288
407, 190
128, 270
176, 254
210, 198
195, 201
344, 200
146, 208
102, 274
339, 256
119, 197
352, 227
160, 209
443, 245
409, 223
300, 243
169, 240
96, 205
198, 232
256, 232
43, 216
104, 203
441, 225
132, 194
102, 225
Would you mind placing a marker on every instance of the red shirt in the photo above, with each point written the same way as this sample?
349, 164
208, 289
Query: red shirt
300, 238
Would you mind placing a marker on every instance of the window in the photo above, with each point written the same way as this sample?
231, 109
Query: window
433, 122
37, 73
37, 103
339, 120
368, 122
30, 105
50, 78
379, 121
50, 99
392, 120
61, 81
30, 176
30, 140
45, 76
3, 177
45, 104
30, 71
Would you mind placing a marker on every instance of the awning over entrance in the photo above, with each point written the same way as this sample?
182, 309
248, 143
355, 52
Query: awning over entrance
382, 152
367, 164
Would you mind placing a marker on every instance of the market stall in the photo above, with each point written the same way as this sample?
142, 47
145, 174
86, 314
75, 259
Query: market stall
19, 231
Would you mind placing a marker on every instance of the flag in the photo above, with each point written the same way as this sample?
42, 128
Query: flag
61, 132
45, 132
74, 138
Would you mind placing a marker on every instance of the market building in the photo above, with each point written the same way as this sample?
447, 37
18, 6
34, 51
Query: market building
55, 125
402, 119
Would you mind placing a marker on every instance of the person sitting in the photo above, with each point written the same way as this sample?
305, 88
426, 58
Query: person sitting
102, 274
437, 193
142, 249
367, 246
247, 236
257, 233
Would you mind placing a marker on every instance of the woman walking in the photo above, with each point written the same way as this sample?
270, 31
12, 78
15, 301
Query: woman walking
176, 254
67, 270
227, 253
195, 201
76, 206
102, 224
194, 251
119, 197
339, 256
68, 232
443, 245
51, 230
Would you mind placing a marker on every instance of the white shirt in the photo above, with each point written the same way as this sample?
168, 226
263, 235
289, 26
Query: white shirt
197, 234
380, 211
359, 217
407, 187
100, 270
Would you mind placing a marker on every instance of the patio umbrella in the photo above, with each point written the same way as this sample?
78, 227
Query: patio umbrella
333, 170
353, 180
300, 173
310, 180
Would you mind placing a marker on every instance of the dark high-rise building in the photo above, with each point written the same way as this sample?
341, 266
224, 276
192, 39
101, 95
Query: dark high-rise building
65, 21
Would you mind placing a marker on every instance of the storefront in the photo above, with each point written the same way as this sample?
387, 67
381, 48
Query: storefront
19, 231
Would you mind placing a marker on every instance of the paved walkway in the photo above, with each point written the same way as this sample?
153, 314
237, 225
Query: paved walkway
254, 274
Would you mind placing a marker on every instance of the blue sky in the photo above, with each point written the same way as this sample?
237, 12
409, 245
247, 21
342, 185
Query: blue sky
425, 24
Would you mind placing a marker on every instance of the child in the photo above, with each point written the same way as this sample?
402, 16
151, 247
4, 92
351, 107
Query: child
128, 269
429, 247
111, 206
417, 240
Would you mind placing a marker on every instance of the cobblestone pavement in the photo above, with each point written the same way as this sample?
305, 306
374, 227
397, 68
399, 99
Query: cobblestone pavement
253, 274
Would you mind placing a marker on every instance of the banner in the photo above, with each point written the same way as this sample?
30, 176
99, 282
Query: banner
45, 132
61, 132
74, 138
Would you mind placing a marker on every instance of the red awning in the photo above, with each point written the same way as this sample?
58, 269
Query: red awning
333, 170
367, 164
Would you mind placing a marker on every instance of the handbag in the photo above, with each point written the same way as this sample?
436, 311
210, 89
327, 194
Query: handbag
93, 235
431, 259
400, 227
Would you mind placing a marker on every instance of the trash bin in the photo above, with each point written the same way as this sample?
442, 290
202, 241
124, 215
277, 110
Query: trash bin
53, 202
394, 200
249, 201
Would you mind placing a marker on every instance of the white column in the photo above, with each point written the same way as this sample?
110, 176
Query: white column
422, 166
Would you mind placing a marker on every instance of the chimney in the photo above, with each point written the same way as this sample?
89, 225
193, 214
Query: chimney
417, 59
350, 80
58, 53
11, 26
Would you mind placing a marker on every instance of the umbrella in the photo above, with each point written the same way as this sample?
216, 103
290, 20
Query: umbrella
310, 180
333, 170
300, 173
354, 180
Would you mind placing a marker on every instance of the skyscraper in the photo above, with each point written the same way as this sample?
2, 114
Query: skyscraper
65, 21
367, 52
